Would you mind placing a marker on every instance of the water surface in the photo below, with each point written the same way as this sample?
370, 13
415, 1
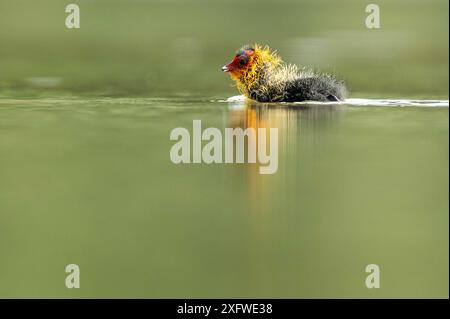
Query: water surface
90, 181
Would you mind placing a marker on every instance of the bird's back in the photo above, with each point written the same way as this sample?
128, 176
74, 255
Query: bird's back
318, 87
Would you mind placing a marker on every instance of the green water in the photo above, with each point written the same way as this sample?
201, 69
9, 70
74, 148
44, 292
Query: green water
90, 181
86, 176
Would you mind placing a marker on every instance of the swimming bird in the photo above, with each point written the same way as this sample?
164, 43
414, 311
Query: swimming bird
261, 75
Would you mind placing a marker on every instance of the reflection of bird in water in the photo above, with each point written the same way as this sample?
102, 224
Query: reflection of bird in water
288, 118
300, 128
261, 75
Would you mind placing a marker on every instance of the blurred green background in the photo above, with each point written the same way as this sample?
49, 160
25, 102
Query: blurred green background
177, 47
86, 178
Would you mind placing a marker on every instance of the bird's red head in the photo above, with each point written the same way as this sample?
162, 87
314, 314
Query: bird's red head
241, 61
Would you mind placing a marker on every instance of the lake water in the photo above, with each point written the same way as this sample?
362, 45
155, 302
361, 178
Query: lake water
90, 181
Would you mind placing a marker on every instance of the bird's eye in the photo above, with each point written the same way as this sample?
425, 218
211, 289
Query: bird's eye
242, 61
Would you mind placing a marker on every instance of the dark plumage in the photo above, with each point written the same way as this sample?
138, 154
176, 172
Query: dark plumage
316, 88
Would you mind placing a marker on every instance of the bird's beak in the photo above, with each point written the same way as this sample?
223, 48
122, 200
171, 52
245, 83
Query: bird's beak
225, 68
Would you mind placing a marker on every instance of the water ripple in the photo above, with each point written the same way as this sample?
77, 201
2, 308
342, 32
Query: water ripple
363, 102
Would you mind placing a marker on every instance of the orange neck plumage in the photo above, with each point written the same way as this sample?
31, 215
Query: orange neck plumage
263, 60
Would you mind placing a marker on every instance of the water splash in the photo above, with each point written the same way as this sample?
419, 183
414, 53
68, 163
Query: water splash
401, 103
365, 102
